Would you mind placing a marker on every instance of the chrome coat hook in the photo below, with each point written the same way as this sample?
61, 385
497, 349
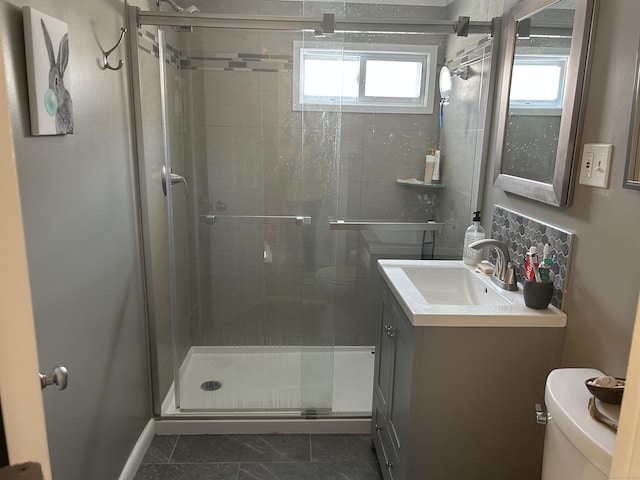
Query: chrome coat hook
105, 56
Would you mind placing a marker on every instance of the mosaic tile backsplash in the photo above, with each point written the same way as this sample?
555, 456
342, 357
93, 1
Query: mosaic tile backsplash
520, 232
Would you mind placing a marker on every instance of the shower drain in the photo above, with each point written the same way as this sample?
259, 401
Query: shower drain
210, 385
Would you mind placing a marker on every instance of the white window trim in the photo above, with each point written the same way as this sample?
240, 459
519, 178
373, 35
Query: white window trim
430, 75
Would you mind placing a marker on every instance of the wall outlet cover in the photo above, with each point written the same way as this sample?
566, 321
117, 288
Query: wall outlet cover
596, 160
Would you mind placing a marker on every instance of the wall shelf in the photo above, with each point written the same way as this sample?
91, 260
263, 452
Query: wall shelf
412, 182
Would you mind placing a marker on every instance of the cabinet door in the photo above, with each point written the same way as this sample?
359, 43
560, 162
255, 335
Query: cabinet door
381, 442
400, 398
385, 351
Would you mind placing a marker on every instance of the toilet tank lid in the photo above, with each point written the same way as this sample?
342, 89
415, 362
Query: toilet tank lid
567, 400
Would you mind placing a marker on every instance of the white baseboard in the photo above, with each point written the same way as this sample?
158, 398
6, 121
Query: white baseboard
139, 449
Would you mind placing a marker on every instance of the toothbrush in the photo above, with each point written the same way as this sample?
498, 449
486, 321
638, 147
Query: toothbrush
535, 260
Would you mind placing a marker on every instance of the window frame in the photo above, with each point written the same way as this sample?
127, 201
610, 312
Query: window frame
426, 55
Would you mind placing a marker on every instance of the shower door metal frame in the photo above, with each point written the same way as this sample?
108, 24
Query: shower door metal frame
267, 22
138, 18
137, 127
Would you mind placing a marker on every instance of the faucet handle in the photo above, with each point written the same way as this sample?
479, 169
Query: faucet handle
511, 277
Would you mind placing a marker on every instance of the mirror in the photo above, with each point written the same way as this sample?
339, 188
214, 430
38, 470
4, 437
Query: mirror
632, 168
445, 85
541, 97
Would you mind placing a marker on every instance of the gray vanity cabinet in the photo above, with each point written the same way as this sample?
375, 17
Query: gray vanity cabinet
457, 403
393, 366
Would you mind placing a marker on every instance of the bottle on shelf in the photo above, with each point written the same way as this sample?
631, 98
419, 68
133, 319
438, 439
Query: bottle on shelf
429, 165
474, 233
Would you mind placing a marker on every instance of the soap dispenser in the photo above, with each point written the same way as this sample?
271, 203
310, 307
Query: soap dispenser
474, 233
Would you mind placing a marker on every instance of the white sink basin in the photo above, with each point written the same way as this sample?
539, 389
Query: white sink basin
450, 293
452, 285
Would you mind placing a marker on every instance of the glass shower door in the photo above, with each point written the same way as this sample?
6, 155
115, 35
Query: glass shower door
257, 270
253, 332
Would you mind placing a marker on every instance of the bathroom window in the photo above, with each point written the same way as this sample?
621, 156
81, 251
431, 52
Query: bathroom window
537, 84
364, 78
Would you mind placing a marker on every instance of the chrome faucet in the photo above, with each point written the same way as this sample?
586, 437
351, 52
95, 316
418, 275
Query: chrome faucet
504, 273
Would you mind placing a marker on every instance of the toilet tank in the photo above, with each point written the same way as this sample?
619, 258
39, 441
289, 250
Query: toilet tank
576, 446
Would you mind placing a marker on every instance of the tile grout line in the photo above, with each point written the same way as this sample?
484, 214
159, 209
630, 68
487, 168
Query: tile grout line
173, 449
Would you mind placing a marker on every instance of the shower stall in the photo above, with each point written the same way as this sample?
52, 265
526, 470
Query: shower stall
265, 207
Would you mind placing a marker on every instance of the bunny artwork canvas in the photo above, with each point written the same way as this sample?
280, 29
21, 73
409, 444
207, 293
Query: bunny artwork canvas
47, 52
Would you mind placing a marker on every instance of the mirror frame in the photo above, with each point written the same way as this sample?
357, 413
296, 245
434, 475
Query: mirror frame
632, 166
558, 192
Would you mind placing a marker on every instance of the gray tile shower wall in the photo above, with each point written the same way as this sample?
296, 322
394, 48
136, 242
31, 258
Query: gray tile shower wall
520, 233
463, 138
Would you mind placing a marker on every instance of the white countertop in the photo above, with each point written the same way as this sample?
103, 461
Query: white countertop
421, 313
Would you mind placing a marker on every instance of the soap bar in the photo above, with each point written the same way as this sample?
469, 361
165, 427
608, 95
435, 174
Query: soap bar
485, 267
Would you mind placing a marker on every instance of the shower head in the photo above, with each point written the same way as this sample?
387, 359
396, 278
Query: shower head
178, 8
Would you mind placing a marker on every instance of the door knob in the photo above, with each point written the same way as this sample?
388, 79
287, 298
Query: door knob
59, 377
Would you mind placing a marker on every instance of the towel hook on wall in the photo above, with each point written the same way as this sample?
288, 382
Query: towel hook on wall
105, 55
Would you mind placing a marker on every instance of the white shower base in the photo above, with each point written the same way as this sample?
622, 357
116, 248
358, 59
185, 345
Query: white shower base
267, 380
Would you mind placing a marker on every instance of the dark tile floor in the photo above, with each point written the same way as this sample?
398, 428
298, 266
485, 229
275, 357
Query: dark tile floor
260, 457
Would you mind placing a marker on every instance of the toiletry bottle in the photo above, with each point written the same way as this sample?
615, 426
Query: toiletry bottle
474, 233
546, 272
436, 168
429, 165
546, 266
530, 260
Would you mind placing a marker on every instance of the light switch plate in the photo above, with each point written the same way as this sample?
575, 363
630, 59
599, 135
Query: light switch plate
594, 169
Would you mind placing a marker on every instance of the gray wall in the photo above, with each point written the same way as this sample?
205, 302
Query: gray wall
79, 209
604, 281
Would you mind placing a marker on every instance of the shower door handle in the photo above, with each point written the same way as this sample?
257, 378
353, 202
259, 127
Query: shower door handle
299, 220
382, 225
174, 178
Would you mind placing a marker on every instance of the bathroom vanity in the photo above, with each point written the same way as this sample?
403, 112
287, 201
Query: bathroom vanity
455, 384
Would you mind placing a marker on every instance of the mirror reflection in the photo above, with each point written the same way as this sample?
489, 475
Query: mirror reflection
538, 79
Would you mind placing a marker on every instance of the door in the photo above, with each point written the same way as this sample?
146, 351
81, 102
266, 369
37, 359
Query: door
20, 395
248, 227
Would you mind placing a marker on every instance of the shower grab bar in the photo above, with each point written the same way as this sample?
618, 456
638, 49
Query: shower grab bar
211, 219
374, 225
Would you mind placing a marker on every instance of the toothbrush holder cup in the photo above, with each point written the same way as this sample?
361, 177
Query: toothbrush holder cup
537, 295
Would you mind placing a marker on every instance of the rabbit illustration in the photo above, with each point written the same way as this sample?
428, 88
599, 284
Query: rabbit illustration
64, 110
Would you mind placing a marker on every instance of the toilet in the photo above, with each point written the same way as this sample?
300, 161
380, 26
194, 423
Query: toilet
576, 446
338, 280
338, 286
